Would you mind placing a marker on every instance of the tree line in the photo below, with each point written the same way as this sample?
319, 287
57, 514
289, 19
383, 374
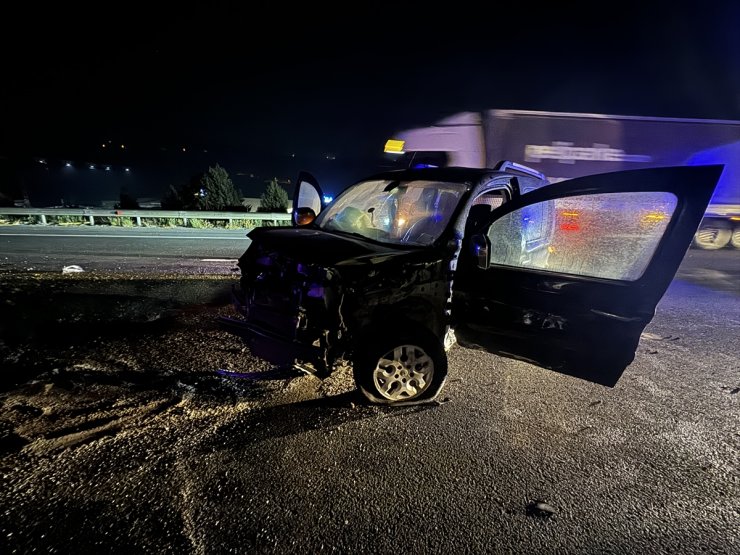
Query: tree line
214, 190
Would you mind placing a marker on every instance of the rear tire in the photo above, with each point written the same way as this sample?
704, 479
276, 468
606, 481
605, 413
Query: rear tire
400, 367
713, 236
735, 241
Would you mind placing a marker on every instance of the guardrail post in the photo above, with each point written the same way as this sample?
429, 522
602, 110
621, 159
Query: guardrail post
91, 219
43, 219
138, 221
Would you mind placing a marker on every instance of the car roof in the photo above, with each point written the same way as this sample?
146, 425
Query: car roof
459, 174
452, 174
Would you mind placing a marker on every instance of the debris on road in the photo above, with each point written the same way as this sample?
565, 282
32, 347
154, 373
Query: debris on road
540, 509
72, 269
654, 337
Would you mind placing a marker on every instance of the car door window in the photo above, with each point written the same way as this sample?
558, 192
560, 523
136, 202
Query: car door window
610, 235
481, 208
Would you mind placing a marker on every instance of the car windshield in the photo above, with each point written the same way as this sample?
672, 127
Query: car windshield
395, 212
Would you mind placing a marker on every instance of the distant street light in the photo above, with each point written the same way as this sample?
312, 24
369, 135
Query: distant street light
128, 170
107, 168
92, 166
68, 164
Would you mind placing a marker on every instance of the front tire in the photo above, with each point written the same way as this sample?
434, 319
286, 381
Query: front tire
713, 236
735, 241
404, 367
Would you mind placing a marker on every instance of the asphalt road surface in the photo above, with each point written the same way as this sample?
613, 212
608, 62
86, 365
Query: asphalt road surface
130, 423
107, 248
214, 251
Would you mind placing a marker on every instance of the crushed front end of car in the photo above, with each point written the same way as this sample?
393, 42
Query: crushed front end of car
314, 300
367, 282
289, 309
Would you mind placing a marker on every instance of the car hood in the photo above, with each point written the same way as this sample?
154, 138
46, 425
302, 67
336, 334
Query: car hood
320, 247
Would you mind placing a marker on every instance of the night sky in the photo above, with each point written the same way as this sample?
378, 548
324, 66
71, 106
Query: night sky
267, 92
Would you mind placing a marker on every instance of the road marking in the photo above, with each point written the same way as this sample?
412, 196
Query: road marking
211, 238
218, 259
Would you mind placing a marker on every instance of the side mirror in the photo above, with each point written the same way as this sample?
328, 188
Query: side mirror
480, 245
304, 216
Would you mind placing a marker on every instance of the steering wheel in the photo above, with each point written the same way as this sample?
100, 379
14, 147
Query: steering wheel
421, 231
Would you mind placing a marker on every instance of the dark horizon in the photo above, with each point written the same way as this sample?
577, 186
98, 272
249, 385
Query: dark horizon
266, 95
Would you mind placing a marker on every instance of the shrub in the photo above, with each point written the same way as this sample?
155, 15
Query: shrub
274, 199
161, 222
243, 224
199, 224
67, 220
118, 221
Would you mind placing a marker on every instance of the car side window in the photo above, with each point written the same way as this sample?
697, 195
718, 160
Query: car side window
481, 208
609, 235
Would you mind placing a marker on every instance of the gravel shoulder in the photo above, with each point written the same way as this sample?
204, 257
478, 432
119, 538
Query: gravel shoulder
129, 422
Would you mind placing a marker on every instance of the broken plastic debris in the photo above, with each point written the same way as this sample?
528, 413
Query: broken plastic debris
540, 509
73, 269
646, 335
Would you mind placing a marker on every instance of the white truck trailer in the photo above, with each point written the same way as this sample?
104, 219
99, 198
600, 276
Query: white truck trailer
565, 145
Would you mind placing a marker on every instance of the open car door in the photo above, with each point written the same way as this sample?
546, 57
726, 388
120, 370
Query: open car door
308, 199
568, 276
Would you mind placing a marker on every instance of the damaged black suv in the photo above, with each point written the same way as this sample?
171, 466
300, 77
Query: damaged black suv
402, 265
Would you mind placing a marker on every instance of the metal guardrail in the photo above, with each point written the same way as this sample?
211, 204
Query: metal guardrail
139, 215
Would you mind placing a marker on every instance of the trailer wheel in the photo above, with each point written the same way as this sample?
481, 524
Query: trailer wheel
713, 235
736, 237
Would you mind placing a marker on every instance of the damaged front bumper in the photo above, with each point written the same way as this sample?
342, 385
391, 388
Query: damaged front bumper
267, 345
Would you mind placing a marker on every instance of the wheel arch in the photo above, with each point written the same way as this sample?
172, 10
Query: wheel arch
412, 311
378, 339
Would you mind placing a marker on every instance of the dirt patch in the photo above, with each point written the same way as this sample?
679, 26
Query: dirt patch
87, 357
